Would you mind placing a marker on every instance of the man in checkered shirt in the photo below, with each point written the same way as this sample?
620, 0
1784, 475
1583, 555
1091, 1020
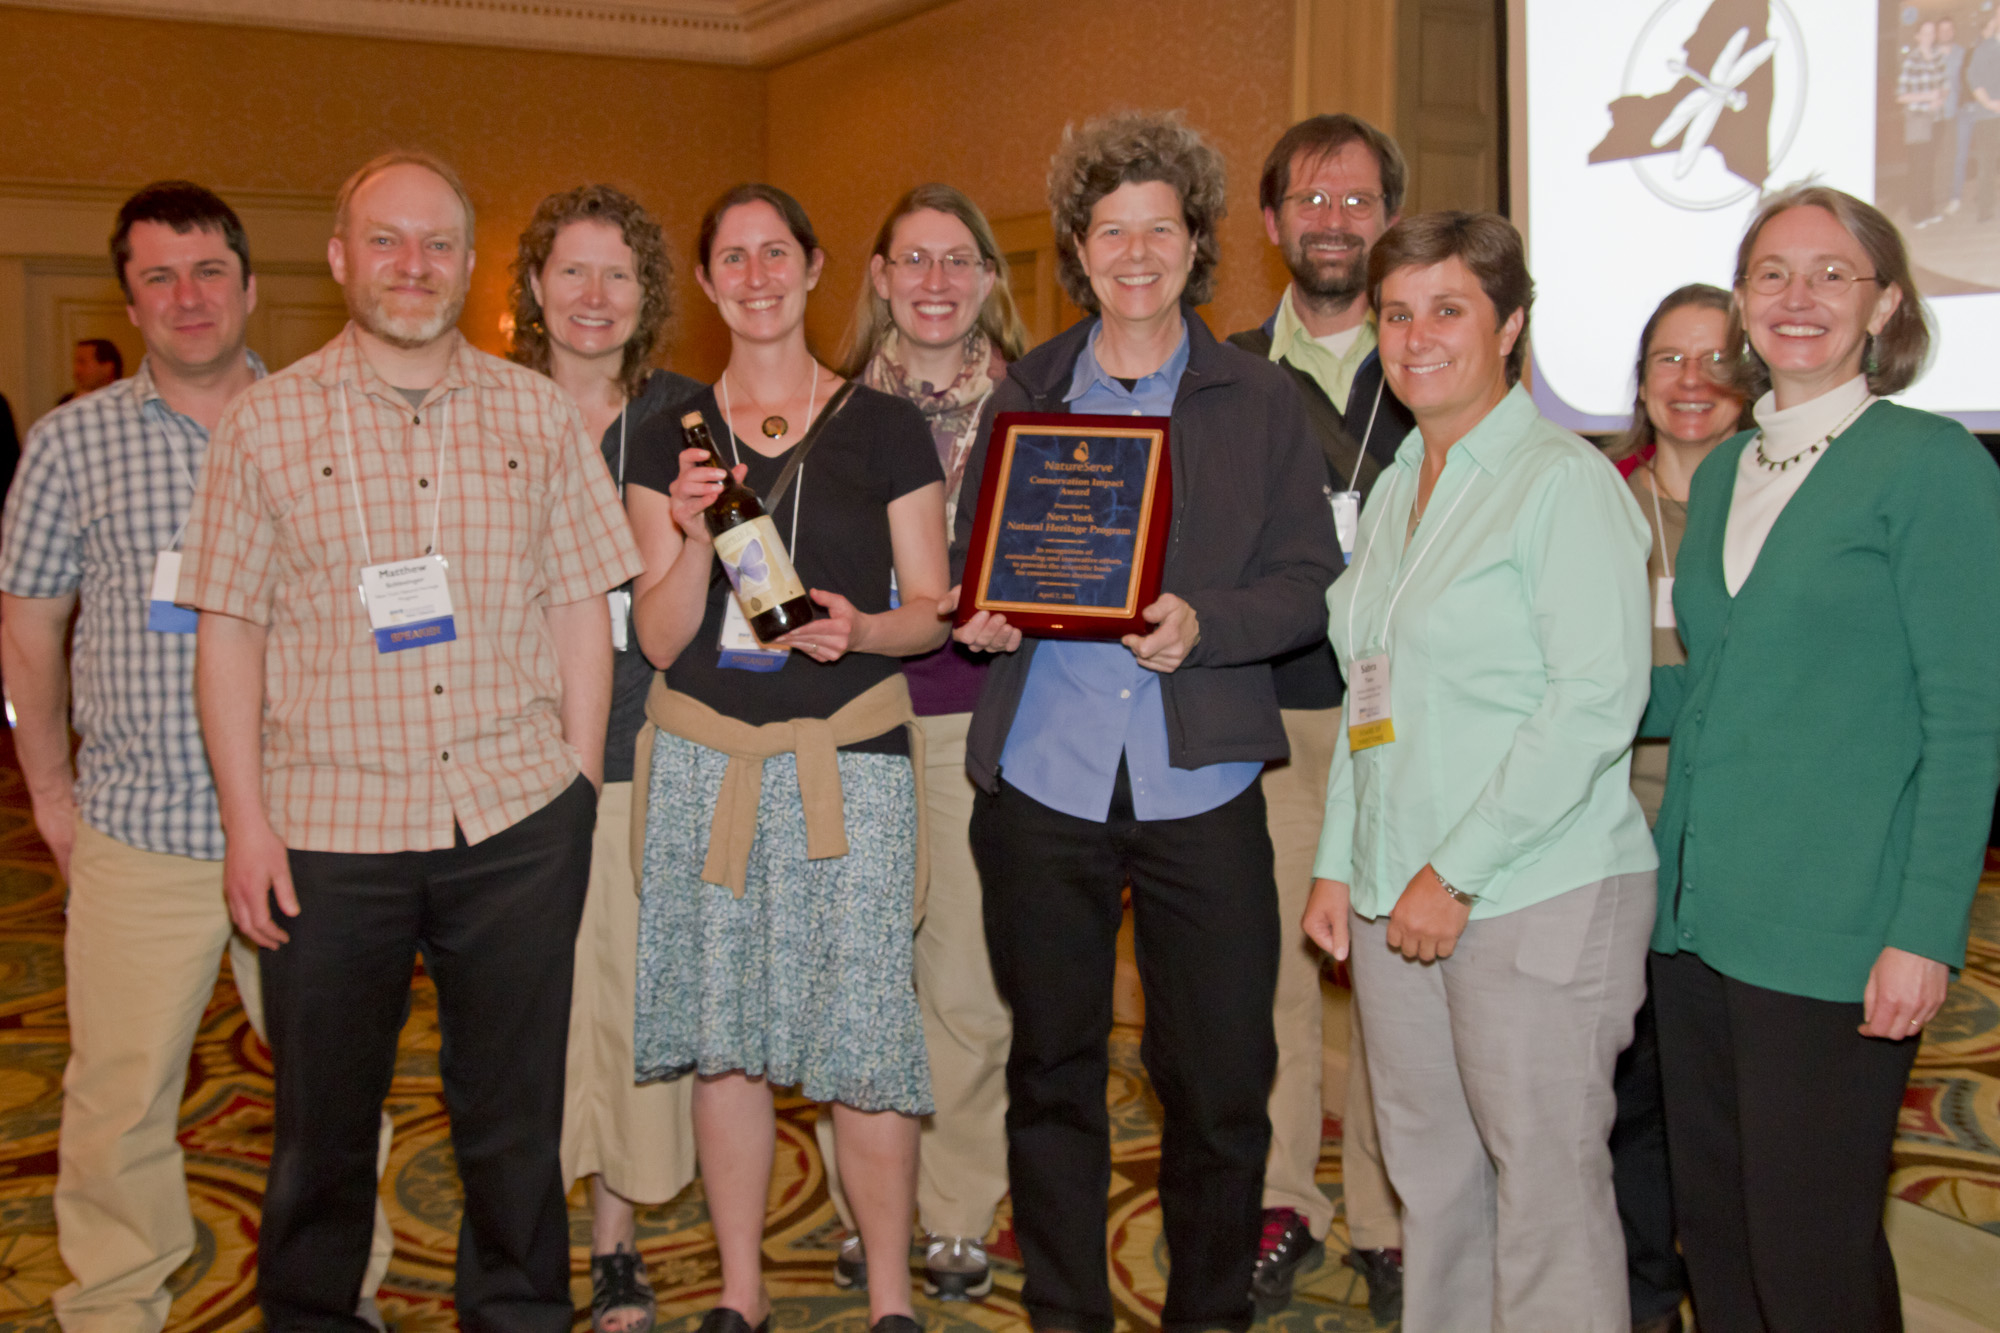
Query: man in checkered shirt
415, 768
103, 492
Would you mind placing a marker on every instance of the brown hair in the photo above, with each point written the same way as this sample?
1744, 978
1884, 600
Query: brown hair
1321, 137
755, 192
1899, 351
1639, 434
185, 207
653, 269
399, 157
997, 316
1485, 243
1125, 148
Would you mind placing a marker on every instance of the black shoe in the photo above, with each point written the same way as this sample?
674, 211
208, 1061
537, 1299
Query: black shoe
1382, 1270
1287, 1246
722, 1319
850, 1265
895, 1323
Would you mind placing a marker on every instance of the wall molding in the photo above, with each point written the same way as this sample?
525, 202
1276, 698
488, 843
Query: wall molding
756, 33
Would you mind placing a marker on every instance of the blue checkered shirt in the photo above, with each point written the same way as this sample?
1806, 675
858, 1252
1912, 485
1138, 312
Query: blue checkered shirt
100, 493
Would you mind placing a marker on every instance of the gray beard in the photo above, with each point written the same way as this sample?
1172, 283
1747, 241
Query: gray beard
408, 334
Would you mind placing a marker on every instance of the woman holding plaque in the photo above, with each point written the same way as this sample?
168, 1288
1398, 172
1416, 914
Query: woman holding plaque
1106, 762
935, 324
1482, 849
1835, 745
592, 295
782, 825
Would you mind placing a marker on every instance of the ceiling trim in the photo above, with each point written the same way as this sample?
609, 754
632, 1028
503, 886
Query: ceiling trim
756, 33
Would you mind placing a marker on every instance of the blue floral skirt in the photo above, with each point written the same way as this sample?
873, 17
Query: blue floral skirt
807, 978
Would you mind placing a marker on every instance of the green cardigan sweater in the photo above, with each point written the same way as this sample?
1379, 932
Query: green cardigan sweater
1836, 728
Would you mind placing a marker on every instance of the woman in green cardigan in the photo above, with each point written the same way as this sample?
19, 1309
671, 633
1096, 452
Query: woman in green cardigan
1835, 749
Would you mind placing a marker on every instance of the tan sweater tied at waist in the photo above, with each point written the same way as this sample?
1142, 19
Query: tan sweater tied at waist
815, 741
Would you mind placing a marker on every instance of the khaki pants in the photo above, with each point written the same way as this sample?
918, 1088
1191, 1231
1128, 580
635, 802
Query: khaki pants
145, 936
1492, 1072
962, 1163
638, 1136
1295, 795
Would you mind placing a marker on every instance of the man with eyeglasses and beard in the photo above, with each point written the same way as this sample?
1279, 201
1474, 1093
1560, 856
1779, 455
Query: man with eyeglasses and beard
1331, 186
414, 769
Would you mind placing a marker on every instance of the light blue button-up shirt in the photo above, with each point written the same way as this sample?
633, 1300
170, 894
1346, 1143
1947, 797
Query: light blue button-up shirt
1087, 703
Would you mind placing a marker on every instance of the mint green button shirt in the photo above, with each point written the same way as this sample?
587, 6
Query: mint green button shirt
1519, 653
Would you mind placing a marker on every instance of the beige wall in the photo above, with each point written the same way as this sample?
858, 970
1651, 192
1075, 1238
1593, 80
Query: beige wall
976, 94
123, 101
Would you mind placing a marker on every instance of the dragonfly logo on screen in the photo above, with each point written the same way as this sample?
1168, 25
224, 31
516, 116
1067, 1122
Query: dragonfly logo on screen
1711, 100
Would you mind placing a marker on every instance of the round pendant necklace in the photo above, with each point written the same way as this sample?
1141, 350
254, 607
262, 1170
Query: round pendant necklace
775, 426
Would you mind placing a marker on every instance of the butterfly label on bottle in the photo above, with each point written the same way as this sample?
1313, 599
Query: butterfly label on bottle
761, 582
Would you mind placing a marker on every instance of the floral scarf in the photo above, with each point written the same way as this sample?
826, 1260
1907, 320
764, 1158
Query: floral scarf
952, 412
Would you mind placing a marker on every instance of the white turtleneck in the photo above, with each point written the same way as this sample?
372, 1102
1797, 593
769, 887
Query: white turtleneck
1761, 492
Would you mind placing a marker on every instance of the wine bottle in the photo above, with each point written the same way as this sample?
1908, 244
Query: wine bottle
774, 601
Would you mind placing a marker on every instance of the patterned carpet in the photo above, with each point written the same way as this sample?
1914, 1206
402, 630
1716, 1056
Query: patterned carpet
226, 1127
1948, 1151
1948, 1158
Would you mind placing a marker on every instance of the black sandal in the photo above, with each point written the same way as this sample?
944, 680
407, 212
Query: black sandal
618, 1283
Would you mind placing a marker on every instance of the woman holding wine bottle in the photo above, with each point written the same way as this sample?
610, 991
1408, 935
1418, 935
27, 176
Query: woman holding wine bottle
783, 817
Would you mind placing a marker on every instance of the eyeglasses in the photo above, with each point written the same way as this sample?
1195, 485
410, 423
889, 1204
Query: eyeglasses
1355, 203
1827, 280
1670, 362
957, 263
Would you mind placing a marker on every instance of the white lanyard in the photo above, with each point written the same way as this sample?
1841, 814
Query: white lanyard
799, 480
1659, 521
180, 461
1353, 646
1372, 412
354, 478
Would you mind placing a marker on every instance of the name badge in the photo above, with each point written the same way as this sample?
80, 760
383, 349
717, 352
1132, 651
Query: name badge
162, 615
1368, 723
1663, 603
741, 648
409, 603
1346, 519
620, 601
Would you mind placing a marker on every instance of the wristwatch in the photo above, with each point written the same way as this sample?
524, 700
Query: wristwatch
1462, 899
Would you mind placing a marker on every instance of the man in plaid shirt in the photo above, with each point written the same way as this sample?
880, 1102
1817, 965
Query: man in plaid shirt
98, 510
414, 768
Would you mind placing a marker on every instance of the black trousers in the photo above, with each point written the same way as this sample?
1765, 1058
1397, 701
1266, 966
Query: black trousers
1205, 909
1653, 1268
1780, 1117
496, 924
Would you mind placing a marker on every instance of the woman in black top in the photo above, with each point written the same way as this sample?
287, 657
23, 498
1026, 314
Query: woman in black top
784, 957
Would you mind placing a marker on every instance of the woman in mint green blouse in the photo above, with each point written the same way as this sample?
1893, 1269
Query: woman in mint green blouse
1482, 849
1835, 748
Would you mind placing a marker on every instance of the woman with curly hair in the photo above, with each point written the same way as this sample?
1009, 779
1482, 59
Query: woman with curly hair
592, 294
1103, 763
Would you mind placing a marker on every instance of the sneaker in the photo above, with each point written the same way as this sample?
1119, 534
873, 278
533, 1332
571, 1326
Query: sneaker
850, 1266
1286, 1247
1382, 1270
1951, 208
955, 1268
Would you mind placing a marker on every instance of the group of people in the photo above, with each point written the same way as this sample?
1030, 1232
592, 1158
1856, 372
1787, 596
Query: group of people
1385, 713
1948, 100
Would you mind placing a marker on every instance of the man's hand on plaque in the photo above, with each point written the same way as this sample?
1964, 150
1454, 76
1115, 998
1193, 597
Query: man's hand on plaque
986, 632
1167, 646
